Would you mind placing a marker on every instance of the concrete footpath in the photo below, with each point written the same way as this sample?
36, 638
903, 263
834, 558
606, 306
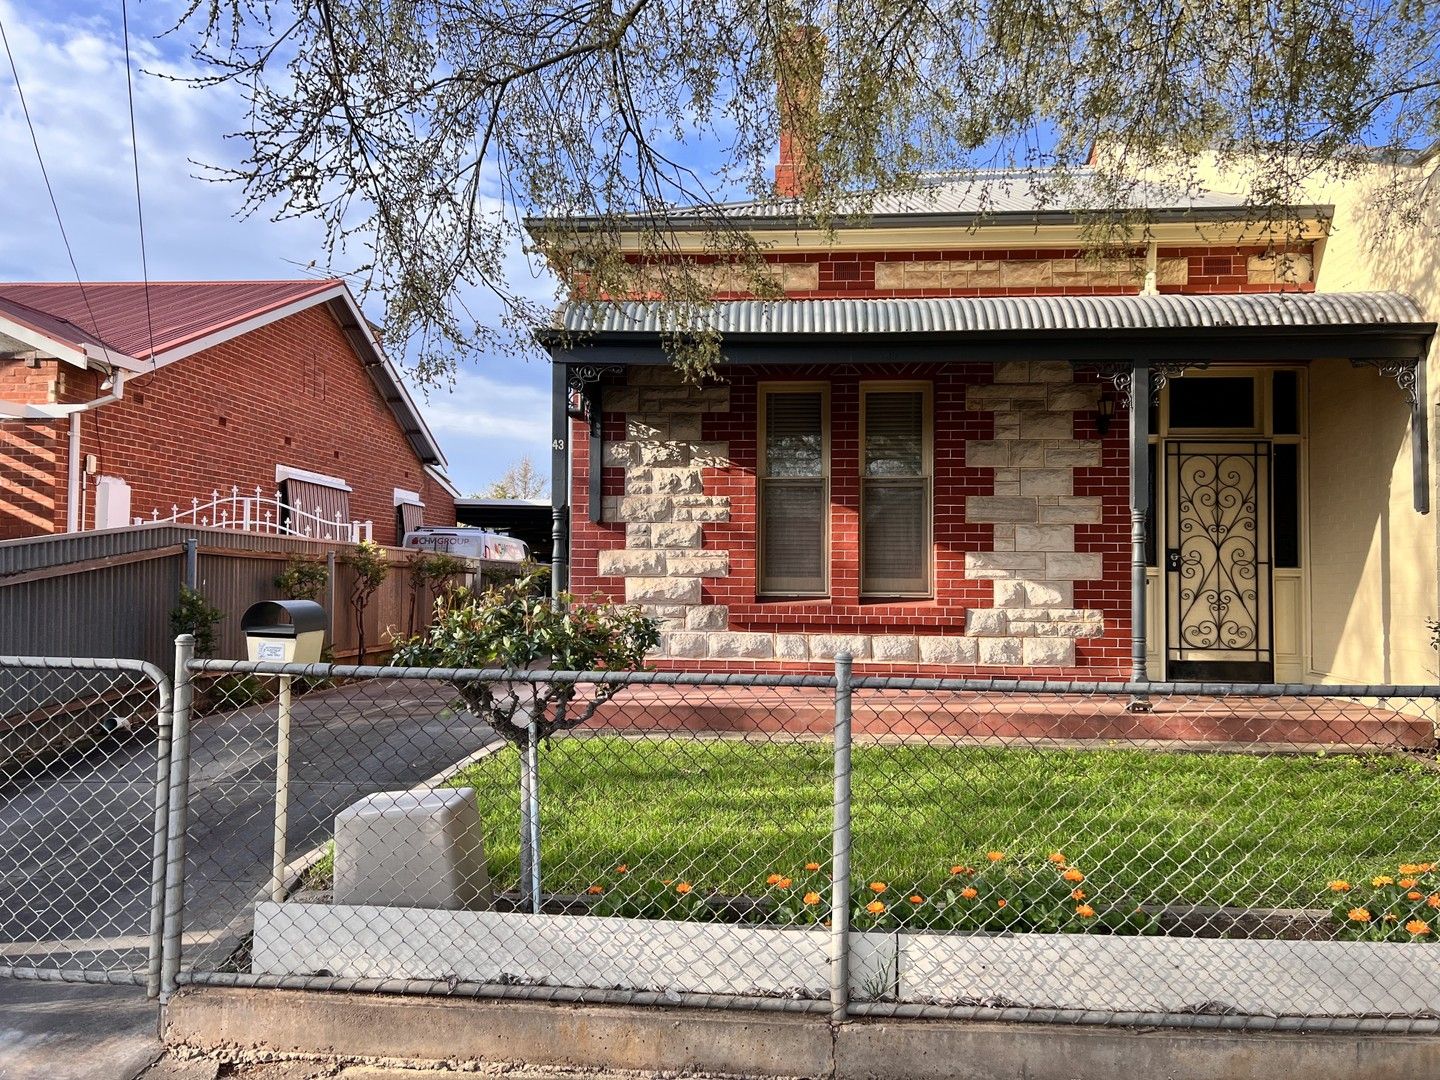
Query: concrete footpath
760, 1044
75, 1031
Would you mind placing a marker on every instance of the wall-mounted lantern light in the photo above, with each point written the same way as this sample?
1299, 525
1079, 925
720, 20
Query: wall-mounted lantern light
1104, 413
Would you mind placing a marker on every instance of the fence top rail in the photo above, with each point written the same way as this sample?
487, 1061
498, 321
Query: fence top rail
163, 686
764, 680
512, 675
1148, 689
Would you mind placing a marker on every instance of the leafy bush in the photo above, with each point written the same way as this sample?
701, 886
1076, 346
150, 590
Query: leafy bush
515, 626
304, 578
433, 571
195, 615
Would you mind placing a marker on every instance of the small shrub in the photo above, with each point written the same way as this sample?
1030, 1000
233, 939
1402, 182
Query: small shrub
371, 566
195, 615
515, 626
304, 578
433, 571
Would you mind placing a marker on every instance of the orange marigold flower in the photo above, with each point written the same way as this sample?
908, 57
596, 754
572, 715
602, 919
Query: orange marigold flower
1073, 875
812, 866
622, 869
1339, 886
811, 898
1412, 895
1085, 911
1057, 857
783, 883
1410, 868
1426, 867
1359, 914
969, 892
878, 887
1407, 883
595, 890
683, 888
957, 870
917, 899
1382, 880
875, 907
1433, 900
773, 879
1077, 894
995, 856
1417, 927
1001, 902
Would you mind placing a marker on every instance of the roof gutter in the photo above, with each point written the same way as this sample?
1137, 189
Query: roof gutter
967, 219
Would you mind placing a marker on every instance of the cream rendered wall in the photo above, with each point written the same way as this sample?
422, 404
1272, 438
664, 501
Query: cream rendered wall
1373, 565
1373, 577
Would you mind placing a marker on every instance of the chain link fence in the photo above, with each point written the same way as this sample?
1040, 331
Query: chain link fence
84, 760
1215, 856
1218, 856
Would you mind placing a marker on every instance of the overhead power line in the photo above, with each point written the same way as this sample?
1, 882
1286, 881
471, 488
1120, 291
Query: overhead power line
135, 158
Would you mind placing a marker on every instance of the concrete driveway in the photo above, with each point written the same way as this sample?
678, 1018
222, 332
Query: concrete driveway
76, 835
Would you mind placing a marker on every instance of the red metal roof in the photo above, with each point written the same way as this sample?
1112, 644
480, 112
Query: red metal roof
179, 311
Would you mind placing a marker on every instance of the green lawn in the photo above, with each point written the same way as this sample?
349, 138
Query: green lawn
1142, 825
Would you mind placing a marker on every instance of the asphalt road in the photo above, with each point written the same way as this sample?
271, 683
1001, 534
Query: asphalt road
76, 835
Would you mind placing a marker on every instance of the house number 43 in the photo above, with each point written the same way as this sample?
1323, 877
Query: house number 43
557, 444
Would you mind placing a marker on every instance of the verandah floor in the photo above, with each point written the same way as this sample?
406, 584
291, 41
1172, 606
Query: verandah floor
1248, 723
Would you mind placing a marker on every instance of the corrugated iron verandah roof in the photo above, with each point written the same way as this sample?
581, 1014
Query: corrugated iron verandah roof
999, 315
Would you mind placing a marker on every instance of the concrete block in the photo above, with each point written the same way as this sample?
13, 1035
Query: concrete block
620, 453
1048, 594
678, 481
828, 646
646, 429
1013, 371
1075, 566
1051, 371
1000, 651
1044, 538
1046, 425
673, 535
987, 622
708, 617
1046, 482
988, 564
741, 646
792, 647
1076, 454
686, 429
997, 508
701, 508
1073, 509
630, 562
1010, 594
662, 590
1077, 397
664, 454
414, 849
949, 650
621, 399
684, 645
700, 564
982, 453
637, 534
646, 508
1027, 454
893, 648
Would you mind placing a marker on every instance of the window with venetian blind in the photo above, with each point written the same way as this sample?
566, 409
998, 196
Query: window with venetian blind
895, 486
794, 495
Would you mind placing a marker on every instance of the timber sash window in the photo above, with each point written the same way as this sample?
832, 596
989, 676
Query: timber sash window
794, 482
895, 478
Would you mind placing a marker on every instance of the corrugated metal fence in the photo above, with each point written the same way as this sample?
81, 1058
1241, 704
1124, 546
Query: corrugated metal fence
111, 592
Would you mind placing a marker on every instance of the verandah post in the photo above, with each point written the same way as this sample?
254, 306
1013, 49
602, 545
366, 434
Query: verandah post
840, 847
1139, 511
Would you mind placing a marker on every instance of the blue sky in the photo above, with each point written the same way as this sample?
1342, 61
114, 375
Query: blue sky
71, 62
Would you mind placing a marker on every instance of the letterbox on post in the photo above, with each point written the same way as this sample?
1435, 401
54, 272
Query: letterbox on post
284, 631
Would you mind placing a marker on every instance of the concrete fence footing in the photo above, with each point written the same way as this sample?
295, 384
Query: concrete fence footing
763, 1043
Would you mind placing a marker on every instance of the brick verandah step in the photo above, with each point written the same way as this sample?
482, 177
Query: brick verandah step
1250, 724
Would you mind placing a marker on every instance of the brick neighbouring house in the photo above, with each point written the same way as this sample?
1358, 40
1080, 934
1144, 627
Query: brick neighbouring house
943, 399
268, 384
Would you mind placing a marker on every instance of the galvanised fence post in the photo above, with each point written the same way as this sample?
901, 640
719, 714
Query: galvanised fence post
840, 848
176, 825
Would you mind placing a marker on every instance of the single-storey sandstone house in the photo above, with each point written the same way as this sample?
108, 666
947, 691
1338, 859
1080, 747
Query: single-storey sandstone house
960, 446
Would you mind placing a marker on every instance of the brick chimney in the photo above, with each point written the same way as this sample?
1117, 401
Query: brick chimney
797, 93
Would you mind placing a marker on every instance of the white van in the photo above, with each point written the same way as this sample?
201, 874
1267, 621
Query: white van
488, 547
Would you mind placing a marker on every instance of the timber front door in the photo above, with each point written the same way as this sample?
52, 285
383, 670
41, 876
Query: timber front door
1216, 561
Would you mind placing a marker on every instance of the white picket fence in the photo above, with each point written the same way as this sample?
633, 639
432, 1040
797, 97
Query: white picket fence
263, 513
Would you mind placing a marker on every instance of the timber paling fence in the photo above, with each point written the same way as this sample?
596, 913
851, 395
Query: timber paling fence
1205, 856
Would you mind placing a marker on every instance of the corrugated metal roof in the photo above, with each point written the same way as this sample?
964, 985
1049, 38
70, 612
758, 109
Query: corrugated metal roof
1002, 191
1001, 314
179, 311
